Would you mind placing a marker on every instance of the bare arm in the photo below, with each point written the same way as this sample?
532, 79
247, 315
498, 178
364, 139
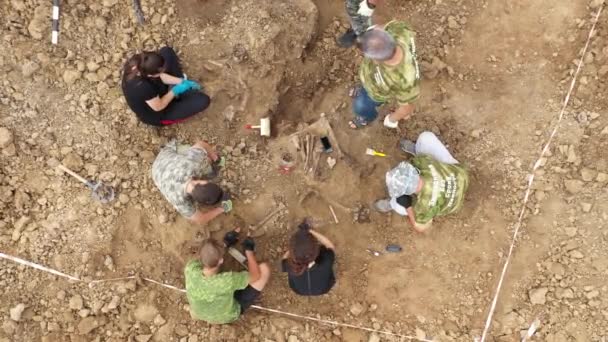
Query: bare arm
323, 240
420, 228
403, 112
253, 267
204, 217
169, 79
159, 103
203, 145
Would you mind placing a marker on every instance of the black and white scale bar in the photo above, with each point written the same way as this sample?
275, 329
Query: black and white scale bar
55, 25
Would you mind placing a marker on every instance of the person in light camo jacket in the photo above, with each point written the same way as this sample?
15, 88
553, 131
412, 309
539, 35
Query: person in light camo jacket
432, 184
182, 173
389, 73
360, 13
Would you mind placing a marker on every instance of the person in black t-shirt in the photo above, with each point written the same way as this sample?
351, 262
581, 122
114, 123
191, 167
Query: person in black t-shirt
156, 90
309, 262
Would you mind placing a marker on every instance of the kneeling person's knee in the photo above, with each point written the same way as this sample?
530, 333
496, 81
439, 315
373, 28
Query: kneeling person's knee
202, 101
360, 106
427, 136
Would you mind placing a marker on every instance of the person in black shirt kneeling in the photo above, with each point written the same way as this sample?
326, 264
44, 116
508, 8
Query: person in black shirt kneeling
156, 89
309, 262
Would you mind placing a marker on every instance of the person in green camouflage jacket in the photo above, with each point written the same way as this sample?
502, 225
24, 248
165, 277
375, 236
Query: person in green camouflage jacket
360, 13
389, 73
432, 184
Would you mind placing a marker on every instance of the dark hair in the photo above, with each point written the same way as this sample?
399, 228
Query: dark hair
303, 249
405, 201
144, 64
207, 194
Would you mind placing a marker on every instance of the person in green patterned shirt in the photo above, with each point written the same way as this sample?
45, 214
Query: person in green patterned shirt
389, 73
221, 297
432, 184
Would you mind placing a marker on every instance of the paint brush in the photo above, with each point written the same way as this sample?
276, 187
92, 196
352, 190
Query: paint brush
372, 152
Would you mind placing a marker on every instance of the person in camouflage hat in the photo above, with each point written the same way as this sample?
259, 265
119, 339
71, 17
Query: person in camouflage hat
182, 174
432, 184
360, 13
389, 73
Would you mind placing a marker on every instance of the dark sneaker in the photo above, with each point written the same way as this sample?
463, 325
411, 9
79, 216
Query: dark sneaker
407, 146
383, 206
347, 40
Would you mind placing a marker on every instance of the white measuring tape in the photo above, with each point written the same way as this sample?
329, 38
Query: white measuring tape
537, 164
91, 283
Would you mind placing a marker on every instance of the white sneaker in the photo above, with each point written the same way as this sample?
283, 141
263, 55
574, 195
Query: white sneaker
408, 146
390, 124
383, 206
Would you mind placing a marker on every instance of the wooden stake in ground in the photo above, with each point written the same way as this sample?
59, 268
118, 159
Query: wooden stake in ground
332, 136
139, 13
306, 148
333, 213
301, 148
55, 23
315, 163
310, 155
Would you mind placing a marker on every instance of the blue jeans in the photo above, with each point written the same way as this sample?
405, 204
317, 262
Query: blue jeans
364, 106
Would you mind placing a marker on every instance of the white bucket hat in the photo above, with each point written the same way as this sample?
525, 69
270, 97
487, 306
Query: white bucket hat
402, 180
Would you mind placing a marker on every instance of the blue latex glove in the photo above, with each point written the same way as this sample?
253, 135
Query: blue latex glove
192, 84
184, 86
181, 88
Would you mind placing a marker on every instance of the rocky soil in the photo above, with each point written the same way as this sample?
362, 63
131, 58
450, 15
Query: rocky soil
495, 75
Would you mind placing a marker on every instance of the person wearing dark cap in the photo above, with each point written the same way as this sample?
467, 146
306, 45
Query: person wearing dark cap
182, 174
432, 184
389, 73
309, 262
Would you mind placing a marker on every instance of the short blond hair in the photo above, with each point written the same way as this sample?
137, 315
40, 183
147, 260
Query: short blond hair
211, 253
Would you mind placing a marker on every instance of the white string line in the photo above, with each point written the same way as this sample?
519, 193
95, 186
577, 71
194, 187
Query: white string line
342, 324
38, 267
91, 283
537, 164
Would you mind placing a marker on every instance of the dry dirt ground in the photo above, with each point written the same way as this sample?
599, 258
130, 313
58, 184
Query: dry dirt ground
495, 73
